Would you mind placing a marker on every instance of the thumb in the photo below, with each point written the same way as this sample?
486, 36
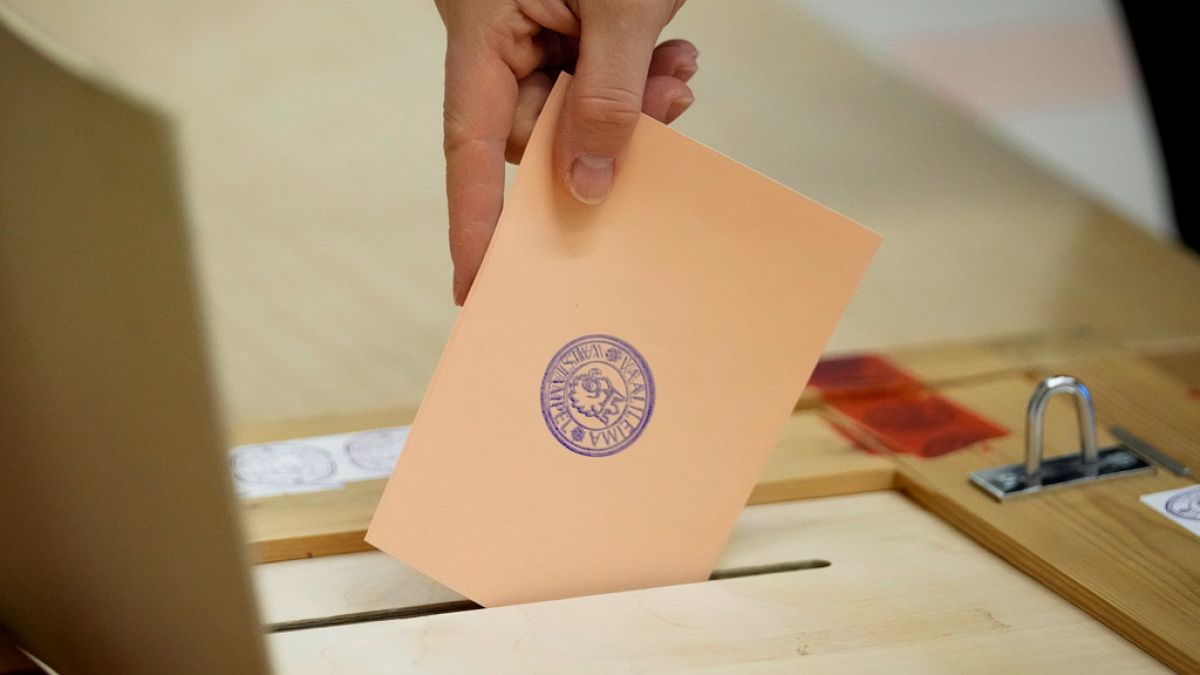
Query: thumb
604, 99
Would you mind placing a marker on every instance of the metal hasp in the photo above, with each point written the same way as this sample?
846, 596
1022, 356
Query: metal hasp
1037, 474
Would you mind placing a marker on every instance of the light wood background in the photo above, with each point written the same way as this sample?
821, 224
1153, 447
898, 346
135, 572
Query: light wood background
810, 458
311, 144
1096, 545
879, 607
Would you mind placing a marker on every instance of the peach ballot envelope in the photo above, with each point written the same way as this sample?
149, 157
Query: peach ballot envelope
618, 376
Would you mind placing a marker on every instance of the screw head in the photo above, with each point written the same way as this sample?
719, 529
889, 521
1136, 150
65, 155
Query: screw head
1121, 459
1007, 480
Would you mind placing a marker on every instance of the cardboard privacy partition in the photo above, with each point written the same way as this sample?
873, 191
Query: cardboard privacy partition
121, 551
618, 375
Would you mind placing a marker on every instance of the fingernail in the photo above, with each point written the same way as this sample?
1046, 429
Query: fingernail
685, 73
591, 178
678, 106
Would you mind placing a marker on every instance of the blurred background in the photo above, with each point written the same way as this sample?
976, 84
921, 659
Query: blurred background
1057, 79
1004, 149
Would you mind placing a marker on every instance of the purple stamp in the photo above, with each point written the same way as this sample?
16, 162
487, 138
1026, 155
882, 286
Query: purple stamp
376, 450
282, 464
597, 395
1186, 504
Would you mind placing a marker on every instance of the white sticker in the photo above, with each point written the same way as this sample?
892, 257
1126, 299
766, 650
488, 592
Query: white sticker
317, 463
1181, 505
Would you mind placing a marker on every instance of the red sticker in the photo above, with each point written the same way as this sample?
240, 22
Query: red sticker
859, 375
919, 423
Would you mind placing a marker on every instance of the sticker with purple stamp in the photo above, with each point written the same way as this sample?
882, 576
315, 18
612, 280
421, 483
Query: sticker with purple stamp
282, 464
376, 450
1185, 504
1181, 506
597, 395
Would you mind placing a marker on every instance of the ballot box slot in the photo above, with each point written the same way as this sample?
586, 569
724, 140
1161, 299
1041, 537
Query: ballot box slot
467, 605
774, 568
375, 615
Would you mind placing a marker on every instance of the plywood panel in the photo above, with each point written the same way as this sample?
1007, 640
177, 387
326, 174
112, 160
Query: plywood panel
810, 460
357, 583
1097, 545
880, 607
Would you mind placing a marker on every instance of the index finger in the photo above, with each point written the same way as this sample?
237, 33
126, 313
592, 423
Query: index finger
480, 98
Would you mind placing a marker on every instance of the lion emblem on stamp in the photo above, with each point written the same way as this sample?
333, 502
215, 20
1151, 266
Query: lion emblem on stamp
597, 395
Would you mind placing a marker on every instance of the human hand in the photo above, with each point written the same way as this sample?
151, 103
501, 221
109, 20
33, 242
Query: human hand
502, 58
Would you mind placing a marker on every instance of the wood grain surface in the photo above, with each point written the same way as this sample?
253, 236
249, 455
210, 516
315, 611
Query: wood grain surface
1097, 545
810, 460
359, 583
881, 606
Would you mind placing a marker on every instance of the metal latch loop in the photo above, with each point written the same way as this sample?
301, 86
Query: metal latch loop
1035, 422
1039, 473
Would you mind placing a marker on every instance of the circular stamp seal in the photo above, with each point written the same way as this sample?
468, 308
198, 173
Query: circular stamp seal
1186, 504
597, 395
283, 464
376, 450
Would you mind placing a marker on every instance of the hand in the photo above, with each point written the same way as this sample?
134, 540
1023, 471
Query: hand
502, 57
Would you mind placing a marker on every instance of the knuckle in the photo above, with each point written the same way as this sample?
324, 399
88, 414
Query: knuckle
454, 130
608, 107
459, 138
